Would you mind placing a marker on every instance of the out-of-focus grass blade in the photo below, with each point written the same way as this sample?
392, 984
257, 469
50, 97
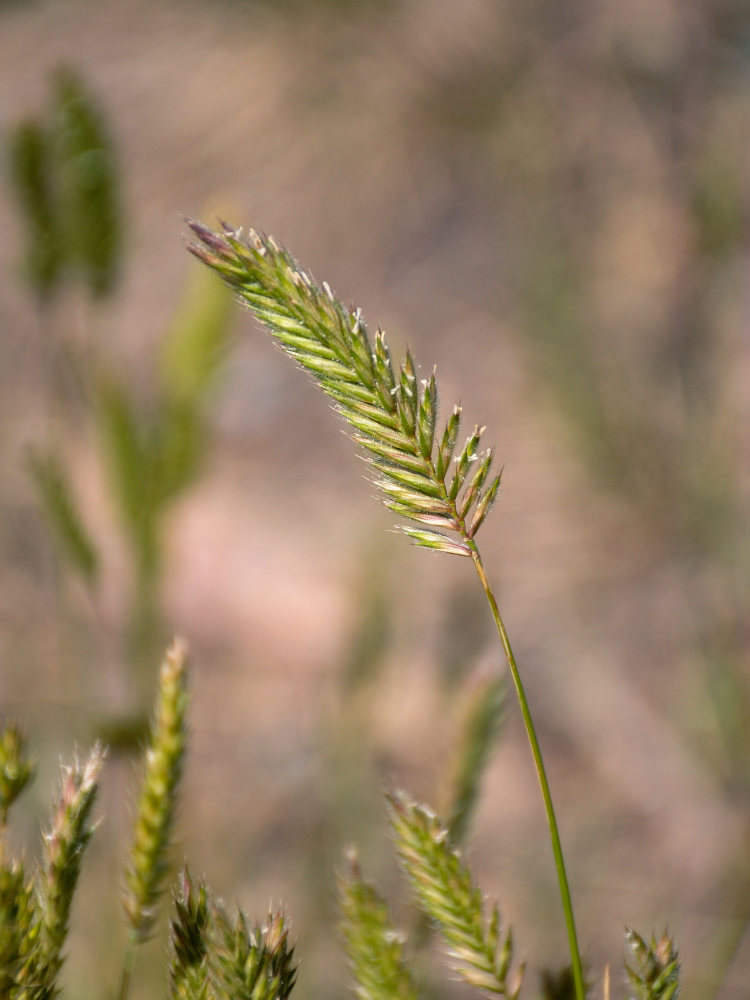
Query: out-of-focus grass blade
374, 948
89, 184
63, 515
31, 180
191, 359
480, 731
196, 343
128, 456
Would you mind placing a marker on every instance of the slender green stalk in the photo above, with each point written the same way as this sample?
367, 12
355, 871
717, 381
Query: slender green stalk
127, 968
536, 752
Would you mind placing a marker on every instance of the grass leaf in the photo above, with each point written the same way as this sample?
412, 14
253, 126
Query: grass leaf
479, 734
63, 515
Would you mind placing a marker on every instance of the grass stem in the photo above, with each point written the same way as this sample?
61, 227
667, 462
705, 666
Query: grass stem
127, 970
536, 752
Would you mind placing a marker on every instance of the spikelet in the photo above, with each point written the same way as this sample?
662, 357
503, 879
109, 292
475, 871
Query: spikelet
64, 844
655, 972
449, 897
374, 948
16, 770
392, 415
253, 963
148, 864
189, 943
19, 923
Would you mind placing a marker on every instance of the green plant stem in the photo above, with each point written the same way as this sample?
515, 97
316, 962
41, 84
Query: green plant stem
127, 969
536, 752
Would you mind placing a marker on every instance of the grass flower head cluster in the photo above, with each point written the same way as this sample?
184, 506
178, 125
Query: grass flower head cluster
392, 415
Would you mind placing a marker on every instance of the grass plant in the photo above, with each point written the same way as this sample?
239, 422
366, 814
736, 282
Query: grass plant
419, 470
65, 181
212, 955
445, 493
35, 913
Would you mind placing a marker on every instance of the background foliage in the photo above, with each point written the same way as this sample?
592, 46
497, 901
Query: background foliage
551, 203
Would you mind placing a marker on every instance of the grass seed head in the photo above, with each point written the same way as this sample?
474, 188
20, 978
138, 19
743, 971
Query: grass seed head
148, 864
393, 414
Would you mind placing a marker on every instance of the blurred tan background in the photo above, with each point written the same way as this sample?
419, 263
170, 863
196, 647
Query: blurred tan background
548, 201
